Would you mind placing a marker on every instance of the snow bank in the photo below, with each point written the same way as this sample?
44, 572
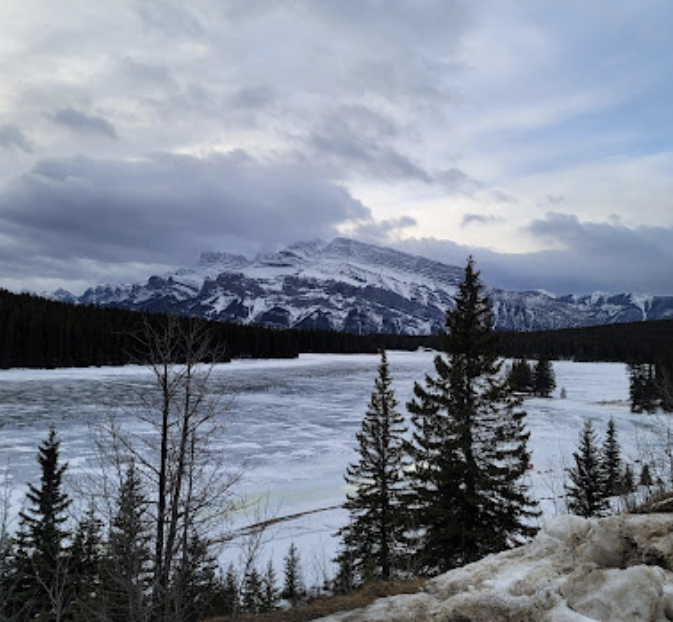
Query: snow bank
613, 569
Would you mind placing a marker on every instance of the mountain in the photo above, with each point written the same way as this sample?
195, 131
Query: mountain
349, 286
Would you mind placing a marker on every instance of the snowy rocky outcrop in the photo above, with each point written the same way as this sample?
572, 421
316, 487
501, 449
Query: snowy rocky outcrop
614, 569
350, 286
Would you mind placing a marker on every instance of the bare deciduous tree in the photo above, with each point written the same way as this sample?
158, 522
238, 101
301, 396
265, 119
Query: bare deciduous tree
188, 489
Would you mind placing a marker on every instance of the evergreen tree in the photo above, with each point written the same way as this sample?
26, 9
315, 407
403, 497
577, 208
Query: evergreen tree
372, 540
469, 444
230, 597
84, 565
270, 592
344, 581
645, 476
628, 479
195, 586
611, 462
126, 573
8, 577
251, 598
520, 376
544, 378
586, 491
41, 580
293, 585
643, 390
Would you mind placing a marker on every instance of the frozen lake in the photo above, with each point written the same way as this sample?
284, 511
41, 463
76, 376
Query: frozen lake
293, 422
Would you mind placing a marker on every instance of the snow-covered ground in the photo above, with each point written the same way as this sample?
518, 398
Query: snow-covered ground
293, 424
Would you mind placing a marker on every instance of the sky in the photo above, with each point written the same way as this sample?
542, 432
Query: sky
536, 136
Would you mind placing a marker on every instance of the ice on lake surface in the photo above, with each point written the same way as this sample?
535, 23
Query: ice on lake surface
293, 424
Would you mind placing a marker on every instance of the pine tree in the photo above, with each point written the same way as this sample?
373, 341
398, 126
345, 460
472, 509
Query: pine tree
643, 390
372, 540
520, 376
293, 586
270, 594
84, 567
41, 541
469, 444
628, 479
645, 476
126, 573
230, 597
611, 461
586, 491
194, 586
251, 597
544, 379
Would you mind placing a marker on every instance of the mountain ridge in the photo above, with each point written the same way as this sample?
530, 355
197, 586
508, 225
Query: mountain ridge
351, 286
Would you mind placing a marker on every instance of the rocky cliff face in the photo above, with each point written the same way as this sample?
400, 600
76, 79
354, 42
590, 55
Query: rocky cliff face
350, 286
615, 569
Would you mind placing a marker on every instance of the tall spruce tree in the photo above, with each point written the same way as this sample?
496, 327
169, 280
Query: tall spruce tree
293, 584
586, 491
43, 582
372, 541
611, 462
469, 444
544, 378
84, 567
126, 574
520, 376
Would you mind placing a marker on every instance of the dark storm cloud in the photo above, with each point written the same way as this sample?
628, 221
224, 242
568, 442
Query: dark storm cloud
13, 137
167, 208
83, 123
595, 257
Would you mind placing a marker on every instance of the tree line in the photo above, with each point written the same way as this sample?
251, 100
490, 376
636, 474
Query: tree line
634, 341
40, 333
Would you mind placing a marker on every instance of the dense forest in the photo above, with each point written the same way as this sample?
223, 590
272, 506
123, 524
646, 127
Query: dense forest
633, 342
40, 333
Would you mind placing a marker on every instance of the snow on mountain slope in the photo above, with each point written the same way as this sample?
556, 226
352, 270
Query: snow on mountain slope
355, 287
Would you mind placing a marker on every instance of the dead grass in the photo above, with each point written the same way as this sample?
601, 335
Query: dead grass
323, 606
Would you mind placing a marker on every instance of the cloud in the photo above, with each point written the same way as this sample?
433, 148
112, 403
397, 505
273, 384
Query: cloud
82, 123
13, 137
167, 209
384, 231
469, 219
602, 238
589, 256
353, 138
256, 97
456, 181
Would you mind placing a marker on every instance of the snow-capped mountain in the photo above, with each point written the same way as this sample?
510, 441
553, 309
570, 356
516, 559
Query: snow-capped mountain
350, 286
